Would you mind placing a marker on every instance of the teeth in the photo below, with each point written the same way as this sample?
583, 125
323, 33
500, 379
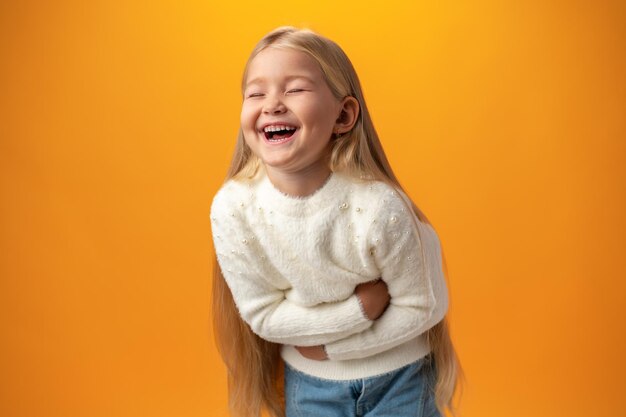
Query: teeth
275, 128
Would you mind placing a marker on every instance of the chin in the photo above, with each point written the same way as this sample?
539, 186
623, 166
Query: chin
280, 157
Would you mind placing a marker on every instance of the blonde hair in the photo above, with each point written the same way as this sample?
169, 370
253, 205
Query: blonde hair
254, 365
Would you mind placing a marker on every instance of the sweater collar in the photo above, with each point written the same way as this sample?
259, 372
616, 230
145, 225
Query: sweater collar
274, 199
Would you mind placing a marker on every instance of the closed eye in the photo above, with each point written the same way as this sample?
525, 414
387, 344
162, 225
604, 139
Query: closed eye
294, 90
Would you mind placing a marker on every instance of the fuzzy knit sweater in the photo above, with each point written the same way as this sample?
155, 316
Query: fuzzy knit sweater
292, 265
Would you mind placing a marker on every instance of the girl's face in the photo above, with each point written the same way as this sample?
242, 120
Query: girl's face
286, 88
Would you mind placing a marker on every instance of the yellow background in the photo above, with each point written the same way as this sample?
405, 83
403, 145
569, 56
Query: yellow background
504, 120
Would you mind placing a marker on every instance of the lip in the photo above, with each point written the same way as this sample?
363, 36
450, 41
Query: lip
288, 140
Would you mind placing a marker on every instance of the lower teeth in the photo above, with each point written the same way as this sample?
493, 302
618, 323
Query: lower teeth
279, 139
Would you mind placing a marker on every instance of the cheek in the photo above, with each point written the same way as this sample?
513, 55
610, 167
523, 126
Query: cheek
247, 117
250, 141
323, 117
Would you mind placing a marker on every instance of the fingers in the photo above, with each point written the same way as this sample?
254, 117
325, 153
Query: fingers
317, 353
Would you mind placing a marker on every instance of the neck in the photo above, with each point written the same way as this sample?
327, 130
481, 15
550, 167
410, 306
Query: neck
299, 183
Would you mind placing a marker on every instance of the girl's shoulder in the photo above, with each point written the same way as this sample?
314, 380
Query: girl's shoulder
380, 198
363, 184
231, 191
371, 190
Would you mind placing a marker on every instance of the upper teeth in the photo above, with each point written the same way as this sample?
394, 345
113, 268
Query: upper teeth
274, 128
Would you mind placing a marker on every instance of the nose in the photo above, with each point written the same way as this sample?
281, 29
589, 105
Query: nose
273, 104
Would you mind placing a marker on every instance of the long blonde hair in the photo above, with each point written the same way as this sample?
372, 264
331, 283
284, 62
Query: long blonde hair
253, 364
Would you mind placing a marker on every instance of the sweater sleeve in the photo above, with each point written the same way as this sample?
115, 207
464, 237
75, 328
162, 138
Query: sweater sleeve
261, 299
416, 283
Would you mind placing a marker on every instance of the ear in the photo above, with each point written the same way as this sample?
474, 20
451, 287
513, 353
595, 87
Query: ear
348, 116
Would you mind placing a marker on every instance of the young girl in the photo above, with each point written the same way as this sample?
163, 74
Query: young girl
323, 263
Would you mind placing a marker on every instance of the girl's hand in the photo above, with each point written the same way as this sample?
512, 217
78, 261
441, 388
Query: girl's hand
313, 352
374, 297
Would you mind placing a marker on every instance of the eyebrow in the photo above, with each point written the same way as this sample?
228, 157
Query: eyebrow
261, 80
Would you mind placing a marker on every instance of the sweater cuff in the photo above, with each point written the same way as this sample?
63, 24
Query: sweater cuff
361, 307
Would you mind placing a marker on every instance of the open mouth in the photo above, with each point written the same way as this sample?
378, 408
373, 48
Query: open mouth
280, 135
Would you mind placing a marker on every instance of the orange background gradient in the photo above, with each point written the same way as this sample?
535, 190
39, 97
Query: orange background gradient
505, 121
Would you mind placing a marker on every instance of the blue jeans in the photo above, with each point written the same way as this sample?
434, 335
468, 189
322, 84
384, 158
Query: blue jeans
404, 392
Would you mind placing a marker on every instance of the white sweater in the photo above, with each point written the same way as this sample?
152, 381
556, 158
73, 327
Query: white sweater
292, 264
